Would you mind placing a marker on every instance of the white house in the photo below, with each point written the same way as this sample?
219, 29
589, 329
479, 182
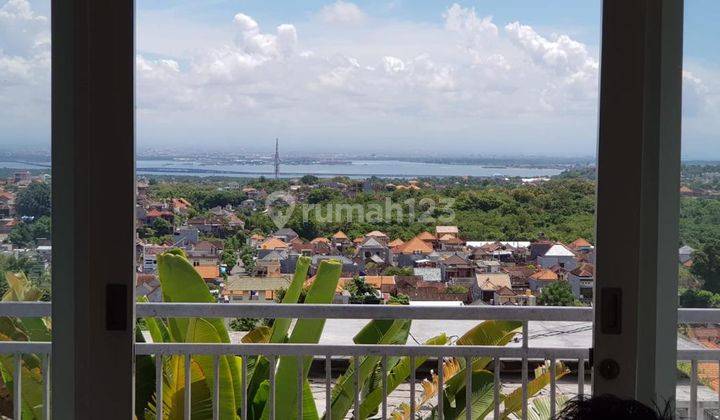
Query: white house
558, 254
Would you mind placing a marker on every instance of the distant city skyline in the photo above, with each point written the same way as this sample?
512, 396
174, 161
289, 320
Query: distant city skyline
451, 78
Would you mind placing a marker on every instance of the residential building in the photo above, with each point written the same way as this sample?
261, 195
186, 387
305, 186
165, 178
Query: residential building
582, 281
239, 289
542, 278
558, 254
456, 267
487, 284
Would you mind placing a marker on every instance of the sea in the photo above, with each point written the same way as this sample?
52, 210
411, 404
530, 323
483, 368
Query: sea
357, 169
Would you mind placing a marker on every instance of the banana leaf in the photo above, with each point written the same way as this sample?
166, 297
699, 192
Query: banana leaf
21, 290
144, 379
482, 398
375, 332
487, 333
397, 375
513, 401
280, 328
156, 326
201, 331
305, 331
174, 392
181, 283
539, 407
32, 389
258, 335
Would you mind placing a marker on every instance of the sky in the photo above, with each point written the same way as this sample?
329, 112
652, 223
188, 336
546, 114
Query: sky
417, 77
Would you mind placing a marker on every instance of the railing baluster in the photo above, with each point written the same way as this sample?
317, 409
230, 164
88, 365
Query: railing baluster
553, 388
496, 388
243, 379
581, 377
188, 377
271, 399
328, 392
693, 388
300, 387
441, 385
159, 406
524, 371
412, 387
384, 386
468, 388
17, 387
356, 361
216, 387
46, 386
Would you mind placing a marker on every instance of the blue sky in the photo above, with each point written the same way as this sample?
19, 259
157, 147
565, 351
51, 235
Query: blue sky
485, 77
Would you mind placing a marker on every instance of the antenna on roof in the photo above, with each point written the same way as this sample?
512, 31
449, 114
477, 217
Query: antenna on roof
277, 159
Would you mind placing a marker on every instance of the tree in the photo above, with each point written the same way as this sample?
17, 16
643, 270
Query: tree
162, 227
699, 299
322, 194
558, 293
399, 299
34, 201
20, 236
41, 228
706, 265
309, 179
229, 258
361, 292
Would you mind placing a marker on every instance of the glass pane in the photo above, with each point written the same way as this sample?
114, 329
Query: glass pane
443, 152
25, 186
699, 248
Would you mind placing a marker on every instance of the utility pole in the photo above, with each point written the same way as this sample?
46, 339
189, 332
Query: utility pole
277, 159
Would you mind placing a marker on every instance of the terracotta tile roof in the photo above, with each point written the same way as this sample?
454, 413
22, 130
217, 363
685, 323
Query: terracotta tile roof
442, 230
545, 275
340, 235
426, 236
415, 246
493, 281
584, 270
208, 272
376, 234
257, 237
580, 243
359, 240
375, 281
396, 242
180, 203
449, 239
320, 240
455, 259
273, 243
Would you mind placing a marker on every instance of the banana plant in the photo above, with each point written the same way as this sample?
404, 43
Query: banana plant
181, 283
482, 394
20, 289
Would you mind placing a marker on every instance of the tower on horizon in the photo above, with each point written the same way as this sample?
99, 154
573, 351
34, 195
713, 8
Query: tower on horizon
277, 159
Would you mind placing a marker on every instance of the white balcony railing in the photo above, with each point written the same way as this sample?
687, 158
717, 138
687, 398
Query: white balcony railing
523, 353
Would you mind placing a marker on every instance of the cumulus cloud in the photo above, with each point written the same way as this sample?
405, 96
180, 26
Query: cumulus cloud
465, 20
24, 71
342, 12
466, 78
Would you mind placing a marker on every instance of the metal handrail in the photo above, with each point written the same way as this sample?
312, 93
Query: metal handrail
259, 310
